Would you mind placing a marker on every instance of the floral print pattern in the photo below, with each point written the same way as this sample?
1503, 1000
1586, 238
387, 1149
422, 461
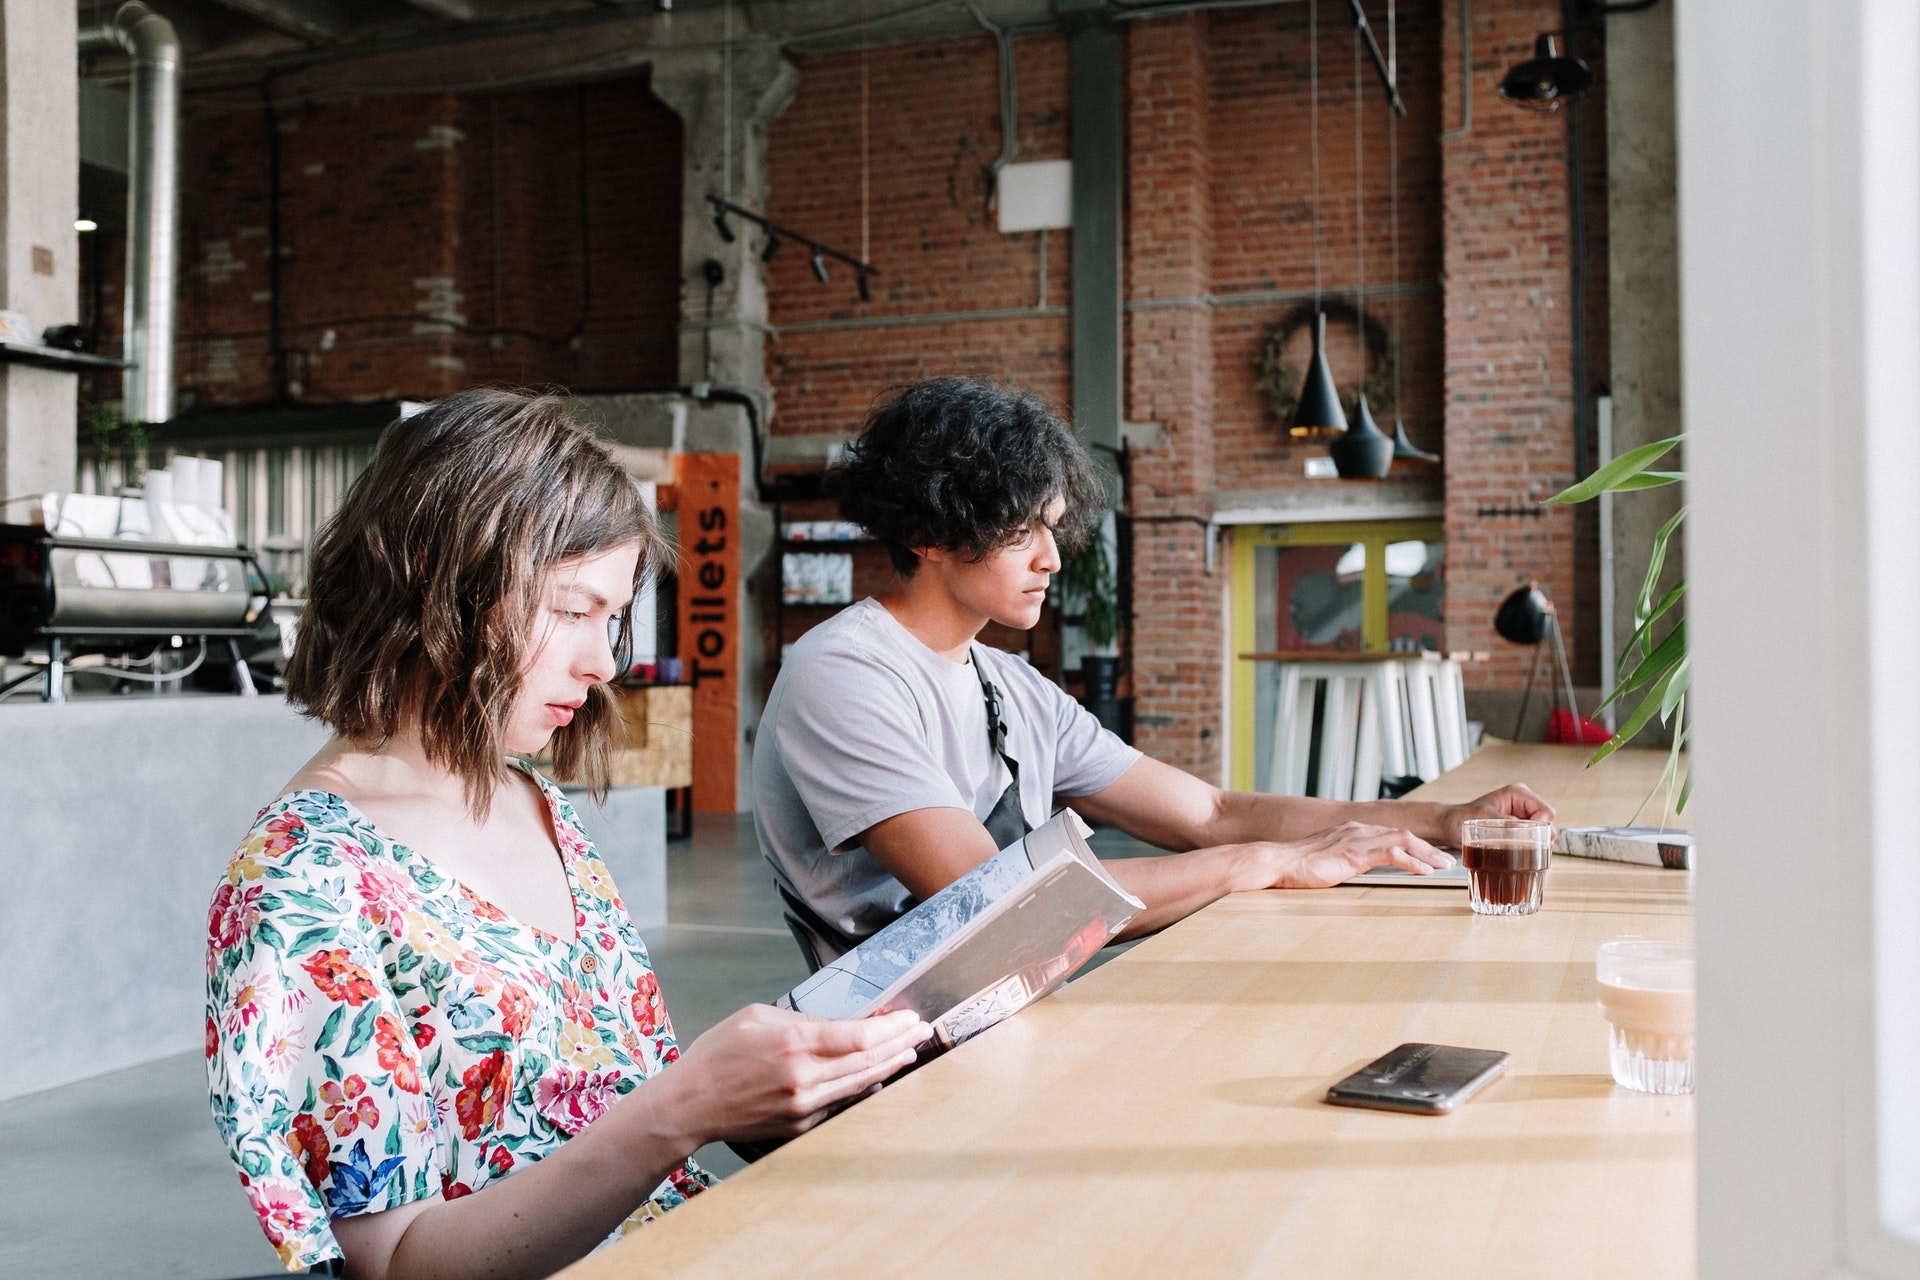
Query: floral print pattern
376, 1032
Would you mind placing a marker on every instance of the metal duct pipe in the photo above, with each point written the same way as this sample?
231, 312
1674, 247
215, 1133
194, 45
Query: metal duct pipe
153, 202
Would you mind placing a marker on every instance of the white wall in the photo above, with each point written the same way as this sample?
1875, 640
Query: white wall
1799, 125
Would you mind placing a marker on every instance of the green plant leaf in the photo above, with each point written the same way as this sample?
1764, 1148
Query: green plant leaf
1649, 480
1642, 639
1676, 688
1618, 474
1670, 653
1655, 563
1635, 722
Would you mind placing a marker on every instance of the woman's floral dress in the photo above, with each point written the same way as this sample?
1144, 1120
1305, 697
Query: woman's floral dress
377, 1033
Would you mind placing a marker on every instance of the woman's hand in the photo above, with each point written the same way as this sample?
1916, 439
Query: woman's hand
1337, 855
769, 1073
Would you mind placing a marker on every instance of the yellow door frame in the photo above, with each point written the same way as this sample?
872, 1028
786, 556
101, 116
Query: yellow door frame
1374, 534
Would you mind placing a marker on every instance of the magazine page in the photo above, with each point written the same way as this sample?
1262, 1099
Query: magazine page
849, 986
1016, 953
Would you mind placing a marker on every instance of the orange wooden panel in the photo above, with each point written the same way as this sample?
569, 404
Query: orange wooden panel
709, 504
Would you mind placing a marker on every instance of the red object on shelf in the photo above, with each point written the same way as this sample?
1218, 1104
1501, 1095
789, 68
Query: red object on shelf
1560, 728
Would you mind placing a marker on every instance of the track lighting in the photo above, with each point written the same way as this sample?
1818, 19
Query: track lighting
721, 225
819, 267
866, 294
773, 247
817, 253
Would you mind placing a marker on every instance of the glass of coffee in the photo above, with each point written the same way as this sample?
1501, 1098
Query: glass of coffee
1647, 997
1506, 862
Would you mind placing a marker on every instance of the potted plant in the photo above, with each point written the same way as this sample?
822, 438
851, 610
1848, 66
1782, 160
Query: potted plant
1087, 583
1660, 666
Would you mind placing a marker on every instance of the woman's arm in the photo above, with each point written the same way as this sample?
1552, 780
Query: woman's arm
764, 1072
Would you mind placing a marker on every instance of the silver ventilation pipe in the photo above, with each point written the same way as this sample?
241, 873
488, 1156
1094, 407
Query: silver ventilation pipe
153, 202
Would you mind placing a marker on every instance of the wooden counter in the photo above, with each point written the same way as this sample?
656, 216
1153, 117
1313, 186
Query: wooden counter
1162, 1116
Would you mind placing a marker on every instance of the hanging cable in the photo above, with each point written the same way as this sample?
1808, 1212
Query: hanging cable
1313, 132
1360, 211
866, 148
1393, 212
726, 101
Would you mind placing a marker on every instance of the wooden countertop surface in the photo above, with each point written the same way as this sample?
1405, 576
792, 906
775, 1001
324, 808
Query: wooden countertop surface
1162, 1116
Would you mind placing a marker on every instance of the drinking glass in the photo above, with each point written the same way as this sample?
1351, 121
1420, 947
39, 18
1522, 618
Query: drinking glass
1506, 862
1647, 997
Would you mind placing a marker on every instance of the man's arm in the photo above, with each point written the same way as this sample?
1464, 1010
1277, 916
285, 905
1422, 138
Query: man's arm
1172, 809
928, 849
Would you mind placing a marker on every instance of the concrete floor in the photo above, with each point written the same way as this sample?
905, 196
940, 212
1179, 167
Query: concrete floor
122, 1175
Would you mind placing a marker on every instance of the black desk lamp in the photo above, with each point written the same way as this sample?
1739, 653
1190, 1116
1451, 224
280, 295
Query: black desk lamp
1528, 617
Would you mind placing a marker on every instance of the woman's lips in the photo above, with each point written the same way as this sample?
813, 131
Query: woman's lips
562, 712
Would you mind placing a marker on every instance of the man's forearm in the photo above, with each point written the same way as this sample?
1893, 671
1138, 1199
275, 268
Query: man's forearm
1248, 815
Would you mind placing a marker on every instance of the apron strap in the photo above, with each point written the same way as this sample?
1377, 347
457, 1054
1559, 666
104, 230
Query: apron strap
1008, 821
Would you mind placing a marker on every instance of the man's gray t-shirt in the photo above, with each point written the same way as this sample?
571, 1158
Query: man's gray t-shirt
866, 722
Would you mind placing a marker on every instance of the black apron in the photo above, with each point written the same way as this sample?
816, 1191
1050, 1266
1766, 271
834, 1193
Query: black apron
820, 942
1008, 821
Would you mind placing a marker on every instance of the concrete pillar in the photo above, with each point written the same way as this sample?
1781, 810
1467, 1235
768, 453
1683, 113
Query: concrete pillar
1643, 217
39, 251
725, 151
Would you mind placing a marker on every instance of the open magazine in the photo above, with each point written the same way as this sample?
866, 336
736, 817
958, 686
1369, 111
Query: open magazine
987, 945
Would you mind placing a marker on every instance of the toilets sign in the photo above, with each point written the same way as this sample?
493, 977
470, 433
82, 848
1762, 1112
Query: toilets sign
709, 505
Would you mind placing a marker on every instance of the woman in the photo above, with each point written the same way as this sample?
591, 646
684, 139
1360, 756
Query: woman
435, 1043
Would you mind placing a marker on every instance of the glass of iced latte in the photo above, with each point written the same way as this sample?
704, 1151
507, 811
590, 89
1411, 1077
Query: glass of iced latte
1647, 998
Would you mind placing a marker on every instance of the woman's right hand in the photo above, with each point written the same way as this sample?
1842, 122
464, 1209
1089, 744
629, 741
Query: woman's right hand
771, 1073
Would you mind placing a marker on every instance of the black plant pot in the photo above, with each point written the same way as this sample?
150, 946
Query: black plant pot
1100, 673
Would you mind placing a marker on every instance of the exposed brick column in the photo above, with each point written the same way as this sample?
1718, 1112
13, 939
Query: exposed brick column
1177, 627
1508, 335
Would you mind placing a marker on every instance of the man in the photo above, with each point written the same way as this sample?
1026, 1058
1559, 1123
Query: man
896, 754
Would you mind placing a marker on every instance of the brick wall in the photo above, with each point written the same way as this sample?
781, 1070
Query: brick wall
1218, 251
1509, 422
428, 243
933, 131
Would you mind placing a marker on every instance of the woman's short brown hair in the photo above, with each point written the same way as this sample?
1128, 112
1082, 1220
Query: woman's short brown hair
423, 587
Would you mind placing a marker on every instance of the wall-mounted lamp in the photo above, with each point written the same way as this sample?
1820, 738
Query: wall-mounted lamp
1544, 79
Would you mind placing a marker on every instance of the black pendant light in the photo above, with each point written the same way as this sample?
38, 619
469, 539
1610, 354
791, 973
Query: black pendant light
1363, 452
1318, 413
1406, 455
1542, 80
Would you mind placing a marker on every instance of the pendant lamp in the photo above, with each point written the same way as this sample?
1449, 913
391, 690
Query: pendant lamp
1318, 414
1542, 80
1406, 455
1363, 452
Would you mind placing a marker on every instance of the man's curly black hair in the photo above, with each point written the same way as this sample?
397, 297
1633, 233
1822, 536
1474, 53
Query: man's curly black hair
961, 465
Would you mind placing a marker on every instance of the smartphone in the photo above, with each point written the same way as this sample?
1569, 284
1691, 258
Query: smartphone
1431, 1079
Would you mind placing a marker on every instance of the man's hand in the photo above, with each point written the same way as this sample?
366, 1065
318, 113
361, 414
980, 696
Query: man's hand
1338, 855
1513, 801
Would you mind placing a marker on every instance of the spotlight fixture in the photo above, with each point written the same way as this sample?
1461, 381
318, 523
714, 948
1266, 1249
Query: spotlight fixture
819, 267
85, 224
866, 294
724, 211
773, 247
721, 225
1544, 79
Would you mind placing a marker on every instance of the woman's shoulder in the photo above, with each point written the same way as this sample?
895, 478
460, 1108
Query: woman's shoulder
304, 829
